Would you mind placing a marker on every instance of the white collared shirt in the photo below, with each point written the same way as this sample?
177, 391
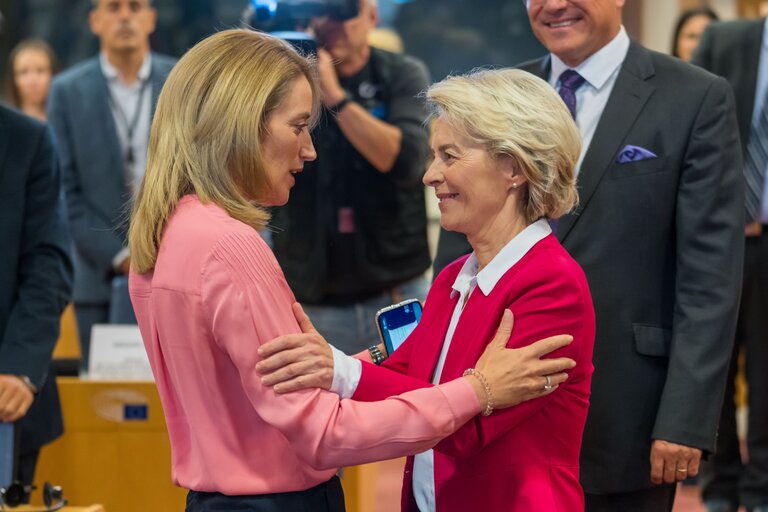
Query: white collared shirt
760, 92
466, 282
599, 71
125, 97
347, 370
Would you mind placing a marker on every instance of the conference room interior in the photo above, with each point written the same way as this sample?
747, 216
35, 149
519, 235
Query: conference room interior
114, 455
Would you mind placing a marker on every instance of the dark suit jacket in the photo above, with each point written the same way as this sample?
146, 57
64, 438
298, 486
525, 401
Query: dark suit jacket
732, 49
94, 178
661, 243
35, 266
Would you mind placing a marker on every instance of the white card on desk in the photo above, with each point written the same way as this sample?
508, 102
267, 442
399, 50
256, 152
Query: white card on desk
117, 353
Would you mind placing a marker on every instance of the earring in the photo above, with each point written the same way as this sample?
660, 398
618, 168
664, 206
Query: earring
514, 185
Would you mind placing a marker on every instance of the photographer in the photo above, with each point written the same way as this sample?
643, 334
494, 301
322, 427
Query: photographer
353, 238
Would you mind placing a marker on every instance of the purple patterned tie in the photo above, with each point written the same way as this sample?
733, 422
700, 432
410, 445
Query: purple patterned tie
570, 81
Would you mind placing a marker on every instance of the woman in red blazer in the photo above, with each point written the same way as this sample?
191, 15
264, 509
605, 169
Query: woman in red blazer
505, 147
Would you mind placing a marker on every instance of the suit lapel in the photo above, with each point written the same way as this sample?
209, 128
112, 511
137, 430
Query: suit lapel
157, 78
749, 51
630, 93
3, 144
97, 111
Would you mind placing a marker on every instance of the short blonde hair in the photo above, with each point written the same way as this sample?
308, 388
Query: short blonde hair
206, 135
514, 114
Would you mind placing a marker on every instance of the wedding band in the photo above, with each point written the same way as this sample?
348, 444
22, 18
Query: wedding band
682, 470
548, 385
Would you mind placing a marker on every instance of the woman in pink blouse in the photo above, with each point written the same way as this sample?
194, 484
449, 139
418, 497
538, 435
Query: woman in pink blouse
505, 147
229, 133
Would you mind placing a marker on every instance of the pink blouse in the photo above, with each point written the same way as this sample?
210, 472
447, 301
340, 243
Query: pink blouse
215, 294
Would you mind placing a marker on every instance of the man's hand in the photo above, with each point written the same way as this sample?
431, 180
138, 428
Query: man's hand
297, 361
15, 398
125, 266
330, 87
672, 462
753, 229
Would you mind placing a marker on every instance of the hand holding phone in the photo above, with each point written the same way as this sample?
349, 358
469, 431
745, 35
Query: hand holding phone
396, 322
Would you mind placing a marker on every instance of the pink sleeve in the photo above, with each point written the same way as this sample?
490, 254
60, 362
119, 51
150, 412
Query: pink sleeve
247, 301
550, 306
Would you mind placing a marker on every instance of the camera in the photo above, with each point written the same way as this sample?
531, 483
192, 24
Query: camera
295, 15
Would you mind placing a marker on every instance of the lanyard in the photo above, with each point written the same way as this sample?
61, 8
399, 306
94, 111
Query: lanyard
123, 119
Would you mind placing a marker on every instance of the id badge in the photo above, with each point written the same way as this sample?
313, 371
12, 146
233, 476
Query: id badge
346, 220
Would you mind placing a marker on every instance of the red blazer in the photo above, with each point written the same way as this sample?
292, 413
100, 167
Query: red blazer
525, 458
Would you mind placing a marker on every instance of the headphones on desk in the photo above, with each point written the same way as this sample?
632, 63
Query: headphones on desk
16, 494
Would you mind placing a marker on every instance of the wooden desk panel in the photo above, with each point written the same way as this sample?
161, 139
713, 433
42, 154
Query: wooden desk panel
125, 464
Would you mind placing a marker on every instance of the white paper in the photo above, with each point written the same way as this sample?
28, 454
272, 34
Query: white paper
117, 353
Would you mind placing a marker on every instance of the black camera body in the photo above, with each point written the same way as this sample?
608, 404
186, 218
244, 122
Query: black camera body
295, 15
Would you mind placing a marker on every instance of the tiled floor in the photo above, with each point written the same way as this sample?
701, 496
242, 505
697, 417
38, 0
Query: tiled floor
389, 481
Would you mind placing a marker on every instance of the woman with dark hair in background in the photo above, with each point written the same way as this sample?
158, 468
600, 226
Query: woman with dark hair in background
690, 25
31, 67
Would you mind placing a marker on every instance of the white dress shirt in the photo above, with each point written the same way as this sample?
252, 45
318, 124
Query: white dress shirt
599, 72
126, 97
347, 370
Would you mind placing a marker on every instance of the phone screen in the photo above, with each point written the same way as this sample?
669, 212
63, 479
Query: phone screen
397, 323
6, 454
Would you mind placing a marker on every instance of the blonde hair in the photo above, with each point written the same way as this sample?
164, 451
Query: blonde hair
514, 114
206, 134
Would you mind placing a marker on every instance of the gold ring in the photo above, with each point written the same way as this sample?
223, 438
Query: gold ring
682, 470
548, 385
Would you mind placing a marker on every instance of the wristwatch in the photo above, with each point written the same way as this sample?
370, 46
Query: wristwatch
376, 354
337, 108
27, 382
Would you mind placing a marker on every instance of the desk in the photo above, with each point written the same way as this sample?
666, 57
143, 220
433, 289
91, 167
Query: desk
28, 508
115, 451
115, 448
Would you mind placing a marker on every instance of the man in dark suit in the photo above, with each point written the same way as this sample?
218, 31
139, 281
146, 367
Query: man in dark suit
658, 232
101, 111
738, 51
35, 282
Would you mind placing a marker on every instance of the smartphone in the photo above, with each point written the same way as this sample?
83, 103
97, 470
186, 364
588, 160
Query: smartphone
397, 322
6, 455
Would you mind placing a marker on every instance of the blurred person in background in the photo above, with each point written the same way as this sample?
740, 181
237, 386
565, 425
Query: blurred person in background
738, 51
505, 148
31, 66
353, 239
35, 283
688, 29
230, 135
659, 234
100, 111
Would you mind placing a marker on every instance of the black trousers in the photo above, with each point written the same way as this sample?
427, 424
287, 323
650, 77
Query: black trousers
656, 499
326, 497
726, 476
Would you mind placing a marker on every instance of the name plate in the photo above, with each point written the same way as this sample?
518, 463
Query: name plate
117, 353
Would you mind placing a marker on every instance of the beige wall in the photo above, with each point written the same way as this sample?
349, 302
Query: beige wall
659, 17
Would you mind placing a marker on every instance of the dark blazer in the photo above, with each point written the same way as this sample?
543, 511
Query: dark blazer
732, 50
95, 184
35, 267
524, 458
661, 242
